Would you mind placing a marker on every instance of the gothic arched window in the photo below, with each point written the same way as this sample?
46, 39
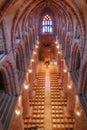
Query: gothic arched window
47, 24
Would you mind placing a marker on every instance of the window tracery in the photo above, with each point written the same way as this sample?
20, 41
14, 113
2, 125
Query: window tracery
47, 24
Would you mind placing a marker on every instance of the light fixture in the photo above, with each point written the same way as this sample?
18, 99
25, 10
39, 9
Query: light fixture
30, 70
65, 70
26, 87
18, 111
78, 113
32, 60
57, 46
36, 46
69, 86
34, 52
56, 42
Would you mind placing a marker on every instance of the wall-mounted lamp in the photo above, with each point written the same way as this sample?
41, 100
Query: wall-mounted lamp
65, 70
69, 86
32, 60
26, 87
34, 52
18, 111
30, 70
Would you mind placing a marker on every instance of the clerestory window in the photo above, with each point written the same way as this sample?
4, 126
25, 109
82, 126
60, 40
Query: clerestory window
47, 24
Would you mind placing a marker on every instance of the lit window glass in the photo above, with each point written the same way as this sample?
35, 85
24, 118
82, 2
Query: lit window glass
47, 24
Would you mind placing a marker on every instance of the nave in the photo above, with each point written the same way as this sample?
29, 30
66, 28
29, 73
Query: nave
48, 103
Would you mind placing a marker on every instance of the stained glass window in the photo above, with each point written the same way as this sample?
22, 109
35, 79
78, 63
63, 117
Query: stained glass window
47, 24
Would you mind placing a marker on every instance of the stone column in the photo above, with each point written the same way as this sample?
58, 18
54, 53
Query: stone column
17, 121
80, 121
25, 102
69, 109
1, 126
65, 83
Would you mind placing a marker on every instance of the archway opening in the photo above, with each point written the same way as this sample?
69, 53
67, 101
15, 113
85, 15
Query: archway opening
2, 85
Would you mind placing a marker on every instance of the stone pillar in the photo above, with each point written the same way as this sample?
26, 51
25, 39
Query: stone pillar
17, 121
25, 102
65, 82
1, 126
69, 109
80, 121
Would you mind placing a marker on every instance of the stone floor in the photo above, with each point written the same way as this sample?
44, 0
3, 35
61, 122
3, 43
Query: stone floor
48, 105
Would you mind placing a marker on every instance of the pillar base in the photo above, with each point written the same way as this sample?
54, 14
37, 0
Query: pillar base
1, 126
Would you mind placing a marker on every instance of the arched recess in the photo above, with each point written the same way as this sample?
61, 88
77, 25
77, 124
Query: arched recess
2, 81
83, 80
75, 61
7, 79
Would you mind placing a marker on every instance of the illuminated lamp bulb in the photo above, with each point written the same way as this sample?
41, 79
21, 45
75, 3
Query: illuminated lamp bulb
18, 111
65, 70
26, 87
36, 46
57, 47
32, 60
78, 113
59, 52
30, 71
69, 86
34, 52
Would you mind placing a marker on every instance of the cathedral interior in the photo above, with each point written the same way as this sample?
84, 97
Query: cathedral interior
43, 64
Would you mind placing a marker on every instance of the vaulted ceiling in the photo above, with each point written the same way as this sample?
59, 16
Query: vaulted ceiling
18, 11
15, 10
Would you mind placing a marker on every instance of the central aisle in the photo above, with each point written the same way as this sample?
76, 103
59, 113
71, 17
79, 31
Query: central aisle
47, 113
48, 105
